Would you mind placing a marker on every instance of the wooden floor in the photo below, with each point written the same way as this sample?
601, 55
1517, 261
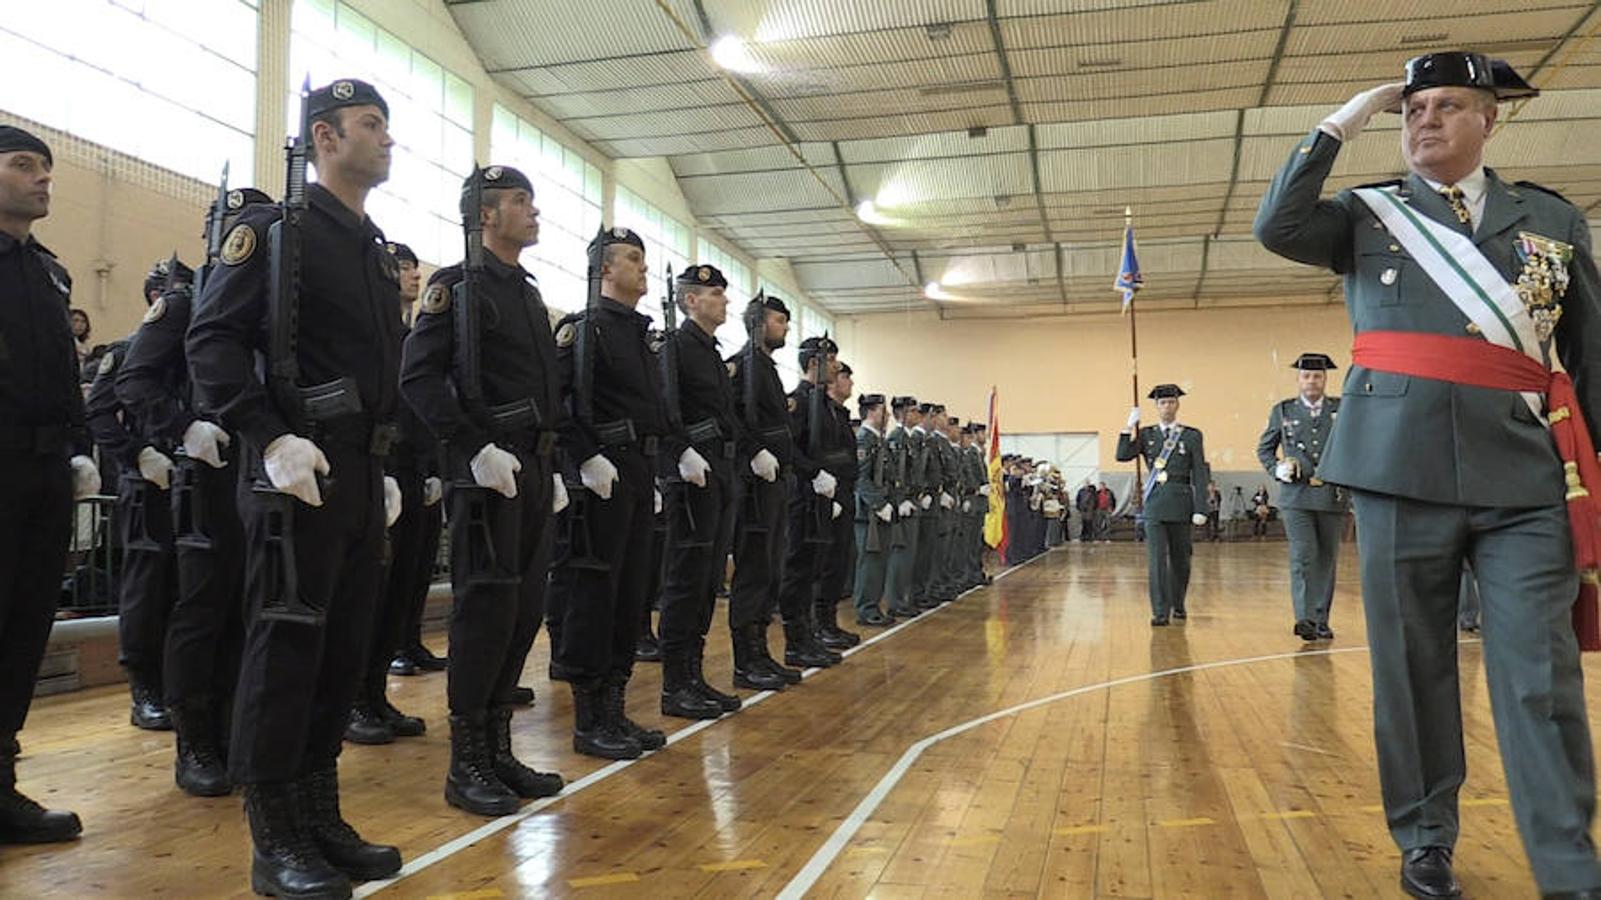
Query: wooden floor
1253, 777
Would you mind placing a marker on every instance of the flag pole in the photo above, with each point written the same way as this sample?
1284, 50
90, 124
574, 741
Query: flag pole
1134, 362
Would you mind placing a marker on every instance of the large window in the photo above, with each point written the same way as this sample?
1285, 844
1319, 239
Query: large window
172, 82
666, 246
568, 192
430, 118
732, 335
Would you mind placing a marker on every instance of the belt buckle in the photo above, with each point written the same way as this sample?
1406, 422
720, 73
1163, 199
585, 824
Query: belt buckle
649, 445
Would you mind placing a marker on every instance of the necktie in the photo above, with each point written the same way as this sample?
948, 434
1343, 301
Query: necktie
1458, 204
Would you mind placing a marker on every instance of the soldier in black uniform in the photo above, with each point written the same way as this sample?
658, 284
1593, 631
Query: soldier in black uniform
44, 463
610, 437
758, 539
840, 558
413, 542
325, 409
205, 626
149, 582
708, 441
812, 509
480, 369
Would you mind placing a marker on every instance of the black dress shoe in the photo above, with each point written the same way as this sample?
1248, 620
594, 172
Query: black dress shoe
22, 821
1158, 621
1324, 633
875, 619
522, 696
425, 660
367, 726
1180, 614
1306, 630
647, 648
402, 665
1426, 873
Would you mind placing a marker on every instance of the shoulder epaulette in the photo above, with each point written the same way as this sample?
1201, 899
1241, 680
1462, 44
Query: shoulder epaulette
1544, 190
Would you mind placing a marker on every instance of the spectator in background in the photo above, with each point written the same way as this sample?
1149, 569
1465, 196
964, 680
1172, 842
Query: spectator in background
1105, 503
1261, 510
1214, 509
1085, 502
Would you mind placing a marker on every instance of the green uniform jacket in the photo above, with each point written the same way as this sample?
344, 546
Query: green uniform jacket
1184, 492
924, 463
872, 473
980, 477
950, 466
1484, 447
1303, 437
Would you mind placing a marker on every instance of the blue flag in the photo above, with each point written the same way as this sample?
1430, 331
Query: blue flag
1129, 278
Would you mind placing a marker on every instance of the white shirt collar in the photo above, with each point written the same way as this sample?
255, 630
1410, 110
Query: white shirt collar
869, 427
1310, 405
920, 429
1475, 186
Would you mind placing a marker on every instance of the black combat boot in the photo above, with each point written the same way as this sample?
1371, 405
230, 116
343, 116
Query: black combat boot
828, 631
284, 860
367, 725
802, 650
399, 723
750, 669
23, 821
593, 733
765, 658
616, 713
647, 648
146, 709
346, 850
728, 702
523, 780
680, 697
198, 768
471, 783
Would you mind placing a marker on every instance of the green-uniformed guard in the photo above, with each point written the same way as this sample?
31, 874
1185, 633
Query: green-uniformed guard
947, 562
903, 441
1175, 497
979, 505
1459, 287
875, 511
1314, 512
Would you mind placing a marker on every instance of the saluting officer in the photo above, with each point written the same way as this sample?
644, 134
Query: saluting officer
700, 500
610, 435
1175, 497
205, 627
325, 409
44, 461
149, 582
875, 512
480, 369
1314, 512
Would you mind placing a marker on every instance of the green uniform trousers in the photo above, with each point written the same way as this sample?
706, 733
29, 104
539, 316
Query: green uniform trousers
1314, 554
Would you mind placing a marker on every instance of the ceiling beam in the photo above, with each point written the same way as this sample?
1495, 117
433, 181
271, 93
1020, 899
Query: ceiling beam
1278, 52
1005, 64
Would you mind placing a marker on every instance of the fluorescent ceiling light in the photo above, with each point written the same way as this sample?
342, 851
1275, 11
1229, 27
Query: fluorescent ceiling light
731, 53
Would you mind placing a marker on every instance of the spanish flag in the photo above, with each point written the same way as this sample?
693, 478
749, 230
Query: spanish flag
995, 522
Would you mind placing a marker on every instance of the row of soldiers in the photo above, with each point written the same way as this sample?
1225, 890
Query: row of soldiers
286, 437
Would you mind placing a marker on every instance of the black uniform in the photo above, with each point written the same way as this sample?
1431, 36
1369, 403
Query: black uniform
205, 625
41, 426
297, 680
840, 560
811, 524
759, 530
492, 625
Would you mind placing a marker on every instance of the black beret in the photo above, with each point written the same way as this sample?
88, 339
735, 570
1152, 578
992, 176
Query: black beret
157, 276
845, 369
953, 420
702, 276
771, 302
822, 344
14, 140
401, 252
903, 402
869, 401
609, 236
497, 178
928, 408
1458, 68
342, 93
1164, 391
1313, 362
239, 198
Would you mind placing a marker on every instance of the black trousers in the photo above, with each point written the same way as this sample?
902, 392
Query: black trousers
600, 610
804, 560
759, 538
492, 626
839, 559
408, 570
695, 558
296, 681
149, 584
205, 629
35, 529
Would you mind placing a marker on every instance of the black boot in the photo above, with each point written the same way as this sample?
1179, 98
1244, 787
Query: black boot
765, 658
402, 665
802, 650
728, 702
346, 850
471, 783
23, 821
647, 648
284, 861
593, 734
147, 711
368, 726
750, 671
399, 723
522, 696
524, 781
424, 659
198, 768
617, 714
829, 633
680, 697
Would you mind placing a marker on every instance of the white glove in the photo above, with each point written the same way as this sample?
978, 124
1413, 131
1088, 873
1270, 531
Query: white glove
1348, 122
983, 490
907, 507
885, 512
85, 477
496, 469
432, 490
824, 483
946, 501
836, 511
926, 501
692, 467
764, 465
1198, 518
558, 497
393, 502
967, 506
293, 464
155, 467
1284, 471
656, 502
598, 475
1133, 418
204, 441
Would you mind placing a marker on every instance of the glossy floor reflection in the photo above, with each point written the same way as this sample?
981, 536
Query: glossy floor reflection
1238, 778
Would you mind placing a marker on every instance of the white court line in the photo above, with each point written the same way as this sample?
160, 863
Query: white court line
825, 855
494, 826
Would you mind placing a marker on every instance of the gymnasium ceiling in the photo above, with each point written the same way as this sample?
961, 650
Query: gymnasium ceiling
1000, 140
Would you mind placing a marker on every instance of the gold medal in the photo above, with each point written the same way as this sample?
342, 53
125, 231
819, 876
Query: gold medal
1159, 464
1161, 477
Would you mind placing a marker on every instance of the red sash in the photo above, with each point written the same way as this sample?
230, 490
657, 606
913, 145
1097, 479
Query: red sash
1479, 363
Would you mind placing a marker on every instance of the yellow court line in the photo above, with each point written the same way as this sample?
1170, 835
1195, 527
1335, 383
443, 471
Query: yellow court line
1082, 829
1187, 823
1291, 814
734, 865
603, 880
